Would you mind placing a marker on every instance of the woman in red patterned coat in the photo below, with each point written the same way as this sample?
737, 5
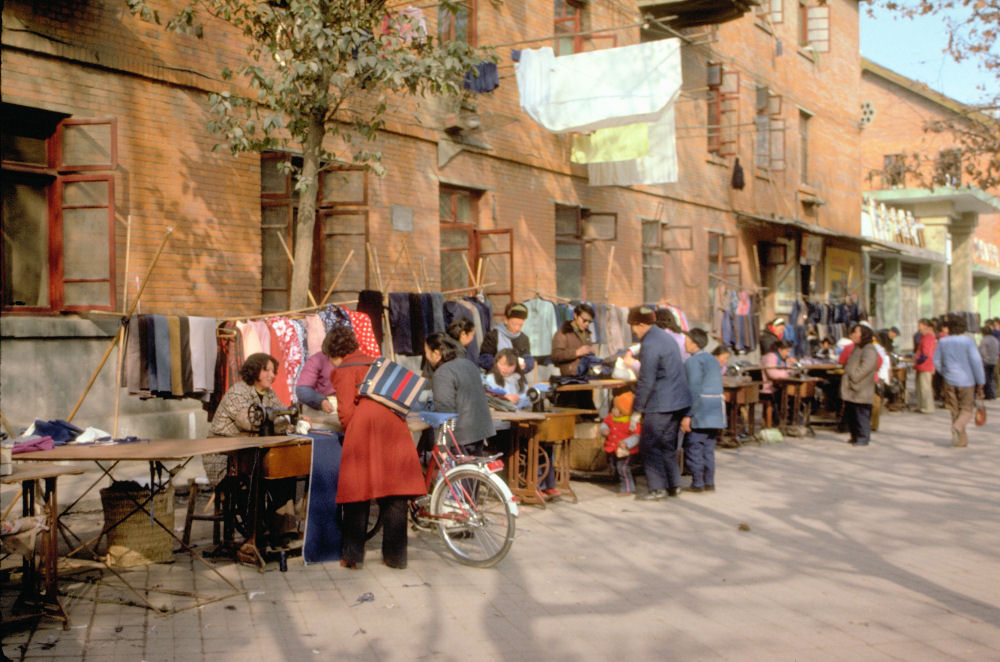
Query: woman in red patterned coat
379, 460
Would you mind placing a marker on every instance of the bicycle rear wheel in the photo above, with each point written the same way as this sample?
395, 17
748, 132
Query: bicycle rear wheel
475, 522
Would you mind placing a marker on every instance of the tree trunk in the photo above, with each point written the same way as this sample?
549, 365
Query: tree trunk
304, 226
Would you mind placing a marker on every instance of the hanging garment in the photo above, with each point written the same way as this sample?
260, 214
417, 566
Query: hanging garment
484, 77
620, 143
176, 377
204, 352
364, 334
161, 352
738, 181
187, 371
290, 357
280, 385
657, 167
315, 333
599, 89
370, 302
418, 326
399, 322
540, 325
263, 332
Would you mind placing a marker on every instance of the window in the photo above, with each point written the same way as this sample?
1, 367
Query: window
723, 268
814, 26
569, 252
341, 226
893, 170
652, 260
769, 10
569, 21
804, 118
948, 168
723, 110
458, 211
57, 212
770, 144
459, 25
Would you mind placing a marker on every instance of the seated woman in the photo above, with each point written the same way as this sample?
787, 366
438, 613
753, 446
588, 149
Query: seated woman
314, 386
464, 331
507, 334
507, 376
457, 386
773, 367
379, 460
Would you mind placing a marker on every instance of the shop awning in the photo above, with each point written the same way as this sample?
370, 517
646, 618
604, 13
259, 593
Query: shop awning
802, 226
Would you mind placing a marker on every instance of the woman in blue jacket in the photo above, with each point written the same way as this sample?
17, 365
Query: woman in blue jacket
707, 415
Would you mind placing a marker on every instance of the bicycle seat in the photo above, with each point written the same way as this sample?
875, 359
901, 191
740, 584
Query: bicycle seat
435, 418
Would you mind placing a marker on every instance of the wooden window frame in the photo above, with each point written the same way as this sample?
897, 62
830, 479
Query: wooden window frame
470, 227
723, 110
53, 176
448, 34
804, 131
575, 239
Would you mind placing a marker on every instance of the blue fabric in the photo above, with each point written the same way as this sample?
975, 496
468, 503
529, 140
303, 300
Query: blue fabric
435, 419
437, 312
484, 78
699, 456
310, 396
958, 362
658, 448
662, 385
399, 322
323, 538
61, 431
704, 378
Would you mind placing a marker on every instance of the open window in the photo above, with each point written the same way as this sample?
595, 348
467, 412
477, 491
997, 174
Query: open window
814, 26
58, 211
723, 110
770, 125
458, 25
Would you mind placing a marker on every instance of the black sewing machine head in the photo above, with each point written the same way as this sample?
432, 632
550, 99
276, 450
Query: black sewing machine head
540, 400
268, 421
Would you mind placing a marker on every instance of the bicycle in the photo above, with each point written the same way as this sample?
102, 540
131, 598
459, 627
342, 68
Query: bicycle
472, 508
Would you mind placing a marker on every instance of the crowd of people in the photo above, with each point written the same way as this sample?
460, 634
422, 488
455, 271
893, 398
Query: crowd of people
676, 400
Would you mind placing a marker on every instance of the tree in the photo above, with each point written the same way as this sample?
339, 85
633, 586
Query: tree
320, 72
973, 29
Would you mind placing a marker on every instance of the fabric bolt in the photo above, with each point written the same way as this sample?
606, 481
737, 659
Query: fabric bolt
625, 85
133, 352
250, 341
399, 322
280, 385
187, 371
437, 310
659, 166
291, 352
176, 379
620, 143
418, 325
370, 302
315, 333
364, 333
147, 355
204, 352
161, 340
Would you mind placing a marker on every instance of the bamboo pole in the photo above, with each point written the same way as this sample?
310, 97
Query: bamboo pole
336, 278
283, 313
107, 352
10, 506
6, 426
121, 328
291, 260
468, 267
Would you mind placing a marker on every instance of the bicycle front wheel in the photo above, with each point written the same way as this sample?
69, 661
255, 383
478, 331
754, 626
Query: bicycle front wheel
473, 516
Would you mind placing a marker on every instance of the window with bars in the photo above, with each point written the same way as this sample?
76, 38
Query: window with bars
458, 25
770, 125
814, 26
723, 110
652, 260
341, 227
57, 216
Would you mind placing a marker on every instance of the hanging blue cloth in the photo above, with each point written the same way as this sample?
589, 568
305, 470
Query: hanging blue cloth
484, 77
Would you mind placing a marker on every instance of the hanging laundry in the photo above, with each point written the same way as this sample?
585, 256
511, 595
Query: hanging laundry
365, 335
599, 89
620, 143
485, 77
659, 166
370, 302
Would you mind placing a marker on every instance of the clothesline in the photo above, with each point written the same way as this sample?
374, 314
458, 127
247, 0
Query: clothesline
742, 288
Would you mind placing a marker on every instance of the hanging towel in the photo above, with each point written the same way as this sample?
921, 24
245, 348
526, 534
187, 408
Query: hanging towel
204, 351
484, 77
599, 89
619, 143
659, 166
176, 377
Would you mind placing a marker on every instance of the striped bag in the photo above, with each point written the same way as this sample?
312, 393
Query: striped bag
392, 385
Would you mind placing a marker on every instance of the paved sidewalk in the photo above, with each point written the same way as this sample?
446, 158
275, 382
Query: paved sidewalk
809, 550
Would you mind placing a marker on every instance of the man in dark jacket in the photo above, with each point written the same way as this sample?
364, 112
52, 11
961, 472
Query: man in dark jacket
569, 343
662, 398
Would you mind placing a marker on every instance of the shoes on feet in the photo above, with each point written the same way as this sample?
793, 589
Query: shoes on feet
654, 495
695, 489
625, 494
395, 566
710, 488
350, 565
552, 492
674, 491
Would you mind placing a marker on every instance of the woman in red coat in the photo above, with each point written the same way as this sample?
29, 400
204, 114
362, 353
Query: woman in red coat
379, 460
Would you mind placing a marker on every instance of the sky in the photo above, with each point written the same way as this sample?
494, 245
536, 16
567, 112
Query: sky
914, 48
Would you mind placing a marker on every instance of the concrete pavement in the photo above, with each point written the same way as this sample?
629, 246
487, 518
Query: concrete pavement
890, 552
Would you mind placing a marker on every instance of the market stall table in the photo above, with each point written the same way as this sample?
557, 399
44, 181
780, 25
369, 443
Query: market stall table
28, 476
156, 452
798, 391
740, 392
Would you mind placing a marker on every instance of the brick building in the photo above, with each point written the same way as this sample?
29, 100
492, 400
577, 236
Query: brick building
953, 264
112, 149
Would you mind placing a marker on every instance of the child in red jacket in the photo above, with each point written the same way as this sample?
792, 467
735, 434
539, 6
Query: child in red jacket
620, 444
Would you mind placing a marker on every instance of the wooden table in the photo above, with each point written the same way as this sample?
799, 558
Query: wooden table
740, 392
797, 390
556, 427
156, 452
28, 476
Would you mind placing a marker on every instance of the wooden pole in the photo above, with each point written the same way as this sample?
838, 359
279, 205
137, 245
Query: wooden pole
6, 426
472, 276
291, 260
121, 329
128, 315
336, 278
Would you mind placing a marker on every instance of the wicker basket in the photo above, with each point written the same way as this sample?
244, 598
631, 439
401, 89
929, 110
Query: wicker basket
137, 541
